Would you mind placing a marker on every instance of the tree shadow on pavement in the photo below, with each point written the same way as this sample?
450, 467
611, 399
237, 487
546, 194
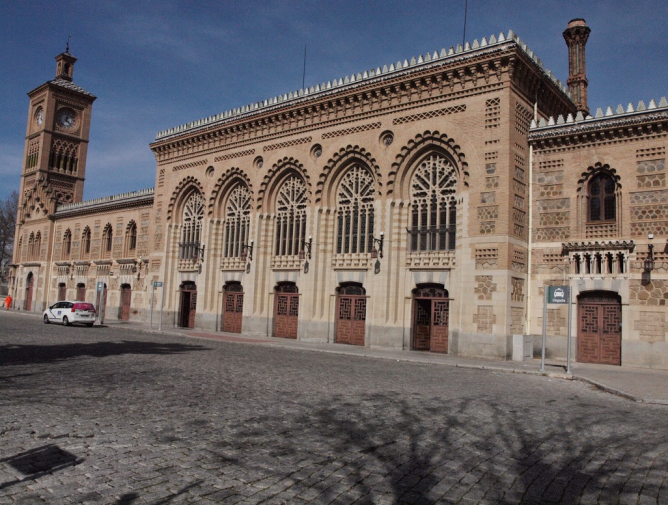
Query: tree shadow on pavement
36, 354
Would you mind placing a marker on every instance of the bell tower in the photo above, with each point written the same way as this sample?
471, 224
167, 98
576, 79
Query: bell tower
576, 35
54, 162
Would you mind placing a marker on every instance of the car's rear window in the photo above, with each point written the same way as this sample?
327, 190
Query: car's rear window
83, 306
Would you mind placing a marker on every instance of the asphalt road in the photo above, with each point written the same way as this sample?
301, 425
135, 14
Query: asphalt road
111, 416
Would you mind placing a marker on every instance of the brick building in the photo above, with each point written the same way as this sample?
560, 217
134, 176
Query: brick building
420, 205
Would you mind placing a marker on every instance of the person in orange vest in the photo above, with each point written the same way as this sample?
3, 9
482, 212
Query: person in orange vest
8, 301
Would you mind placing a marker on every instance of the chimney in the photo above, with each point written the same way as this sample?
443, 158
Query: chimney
576, 35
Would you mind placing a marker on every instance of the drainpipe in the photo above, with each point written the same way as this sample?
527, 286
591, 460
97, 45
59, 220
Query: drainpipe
530, 239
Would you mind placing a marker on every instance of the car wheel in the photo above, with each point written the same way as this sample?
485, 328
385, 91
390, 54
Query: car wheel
90, 325
46, 319
66, 322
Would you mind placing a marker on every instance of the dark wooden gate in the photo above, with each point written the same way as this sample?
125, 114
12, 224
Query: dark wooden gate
62, 291
30, 283
351, 315
286, 310
431, 310
81, 292
233, 307
126, 302
600, 328
188, 305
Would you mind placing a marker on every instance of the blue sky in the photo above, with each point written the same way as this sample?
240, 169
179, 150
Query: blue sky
158, 64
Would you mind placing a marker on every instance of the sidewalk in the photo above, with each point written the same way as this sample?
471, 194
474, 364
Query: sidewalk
636, 384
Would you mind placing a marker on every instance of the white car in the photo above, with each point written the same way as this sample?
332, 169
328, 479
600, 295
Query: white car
69, 312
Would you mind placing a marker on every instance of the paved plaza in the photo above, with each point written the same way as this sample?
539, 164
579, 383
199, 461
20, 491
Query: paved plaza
113, 416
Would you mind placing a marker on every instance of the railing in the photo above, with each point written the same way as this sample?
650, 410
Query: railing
431, 239
191, 251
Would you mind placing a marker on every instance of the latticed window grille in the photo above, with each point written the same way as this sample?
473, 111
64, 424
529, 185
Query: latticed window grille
237, 221
85, 243
354, 202
191, 233
433, 206
107, 240
290, 217
602, 205
131, 238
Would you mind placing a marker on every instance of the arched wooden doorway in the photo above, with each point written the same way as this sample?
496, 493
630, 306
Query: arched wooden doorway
431, 309
81, 292
350, 314
188, 305
30, 283
286, 310
62, 292
126, 301
600, 328
233, 307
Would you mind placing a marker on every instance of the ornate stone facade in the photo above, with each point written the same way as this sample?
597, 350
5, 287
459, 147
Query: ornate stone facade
420, 205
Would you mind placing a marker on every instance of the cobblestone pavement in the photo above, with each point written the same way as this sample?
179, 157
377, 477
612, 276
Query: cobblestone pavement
118, 417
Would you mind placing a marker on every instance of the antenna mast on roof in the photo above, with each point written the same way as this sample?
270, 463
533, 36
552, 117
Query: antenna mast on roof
466, 8
67, 47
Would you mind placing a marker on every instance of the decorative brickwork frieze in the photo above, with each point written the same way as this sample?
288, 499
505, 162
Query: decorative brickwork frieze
655, 292
492, 142
487, 258
290, 143
548, 165
651, 166
348, 131
552, 234
642, 229
519, 173
554, 219
519, 160
427, 115
517, 289
649, 197
522, 119
519, 187
553, 177
552, 205
492, 182
161, 178
493, 113
651, 152
485, 318
651, 181
519, 201
519, 216
551, 191
518, 260
651, 326
649, 212
519, 231
190, 165
491, 156
230, 156
490, 168
487, 227
485, 287
487, 213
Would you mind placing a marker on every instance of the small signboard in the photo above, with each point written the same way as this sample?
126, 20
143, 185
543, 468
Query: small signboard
157, 284
100, 286
557, 294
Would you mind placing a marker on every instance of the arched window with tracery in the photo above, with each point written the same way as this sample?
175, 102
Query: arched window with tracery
354, 202
131, 239
18, 250
433, 205
191, 233
237, 221
85, 243
107, 240
31, 247
290, 217
602, 201
67, 244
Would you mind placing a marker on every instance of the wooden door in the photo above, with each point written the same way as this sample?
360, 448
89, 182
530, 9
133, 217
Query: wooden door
599, 329
421, 325
62, 292
81, 293
188, 305
233, 308
431, 310
126, 302
193, 307
286, 311
351, 315
30, 282
438, 338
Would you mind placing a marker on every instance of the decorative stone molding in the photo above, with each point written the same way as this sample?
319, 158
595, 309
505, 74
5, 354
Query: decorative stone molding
344, 157
180, 190
223, 185
287, 163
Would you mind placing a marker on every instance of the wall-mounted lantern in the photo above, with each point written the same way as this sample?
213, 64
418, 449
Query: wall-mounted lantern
305, 251
377, 253
247, 251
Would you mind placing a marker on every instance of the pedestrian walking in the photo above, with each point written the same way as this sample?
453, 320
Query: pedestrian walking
8, 301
